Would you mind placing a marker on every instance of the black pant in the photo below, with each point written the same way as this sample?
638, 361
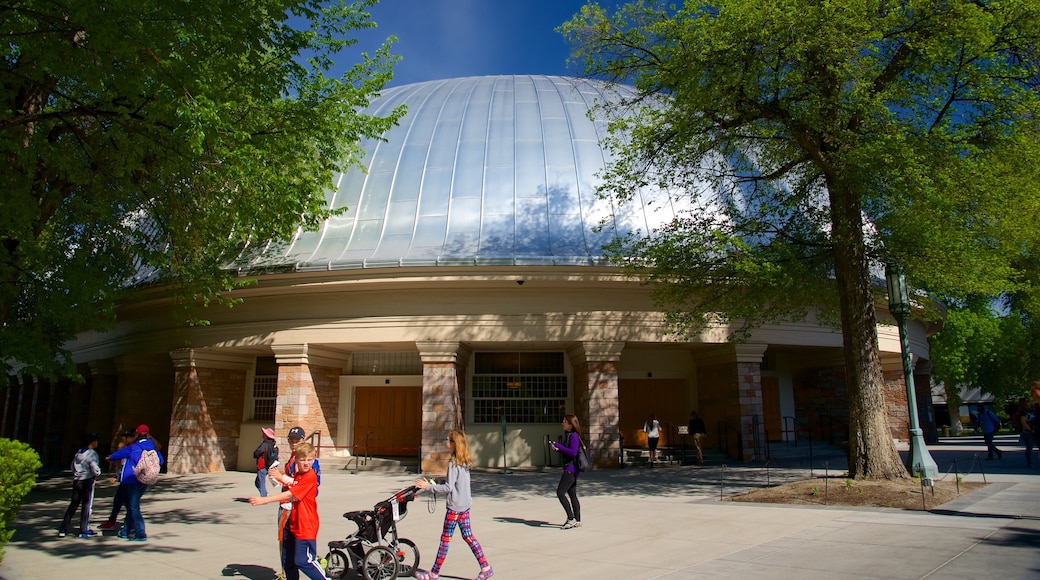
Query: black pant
82, 493
567, 491
990, 447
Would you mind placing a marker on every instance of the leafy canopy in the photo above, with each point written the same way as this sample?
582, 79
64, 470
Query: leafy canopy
919, 115
149, 142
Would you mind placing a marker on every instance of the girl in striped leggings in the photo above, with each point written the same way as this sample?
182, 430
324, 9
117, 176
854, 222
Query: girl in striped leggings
459, 502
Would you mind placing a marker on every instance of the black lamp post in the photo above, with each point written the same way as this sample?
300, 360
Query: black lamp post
919, 460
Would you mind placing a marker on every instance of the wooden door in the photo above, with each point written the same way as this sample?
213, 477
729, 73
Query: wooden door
388, 420
771, 408
668, 398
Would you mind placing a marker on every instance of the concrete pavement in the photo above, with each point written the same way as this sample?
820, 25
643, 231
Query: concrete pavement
665, 522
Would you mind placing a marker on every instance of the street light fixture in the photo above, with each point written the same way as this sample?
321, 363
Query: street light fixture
919, 460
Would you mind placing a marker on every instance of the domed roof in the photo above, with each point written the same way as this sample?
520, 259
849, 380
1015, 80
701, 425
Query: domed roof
481, 171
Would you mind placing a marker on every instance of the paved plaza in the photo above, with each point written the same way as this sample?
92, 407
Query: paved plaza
665, 522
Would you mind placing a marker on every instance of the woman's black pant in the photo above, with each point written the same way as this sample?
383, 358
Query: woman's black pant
567, 491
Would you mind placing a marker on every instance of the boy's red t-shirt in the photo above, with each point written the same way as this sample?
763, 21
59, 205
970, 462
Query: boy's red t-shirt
303, 519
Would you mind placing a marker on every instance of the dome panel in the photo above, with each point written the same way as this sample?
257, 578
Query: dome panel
482, 170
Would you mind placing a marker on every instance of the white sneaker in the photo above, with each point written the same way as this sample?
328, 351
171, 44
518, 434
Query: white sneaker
572, 523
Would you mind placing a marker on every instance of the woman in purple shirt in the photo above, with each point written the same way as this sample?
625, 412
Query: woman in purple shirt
567, 491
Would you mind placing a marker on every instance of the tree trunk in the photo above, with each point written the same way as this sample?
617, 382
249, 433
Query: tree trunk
872, 453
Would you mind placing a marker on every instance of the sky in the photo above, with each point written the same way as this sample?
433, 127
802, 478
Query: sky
439, 39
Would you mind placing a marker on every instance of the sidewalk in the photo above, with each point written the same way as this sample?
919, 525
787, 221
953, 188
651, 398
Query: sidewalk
637, 523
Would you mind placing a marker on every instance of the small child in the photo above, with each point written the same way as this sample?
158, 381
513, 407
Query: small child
459, 501
300, 538
85, 470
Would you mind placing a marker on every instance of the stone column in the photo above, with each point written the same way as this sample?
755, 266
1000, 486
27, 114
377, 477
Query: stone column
896, 403
749, 386
207, 411
442, 401
308, 394
596, 398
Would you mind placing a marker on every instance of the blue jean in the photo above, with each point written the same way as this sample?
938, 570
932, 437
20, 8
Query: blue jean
1029, 440
134, 491
300, 556
261, 482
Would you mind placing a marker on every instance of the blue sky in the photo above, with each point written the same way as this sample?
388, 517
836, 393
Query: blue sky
440, 39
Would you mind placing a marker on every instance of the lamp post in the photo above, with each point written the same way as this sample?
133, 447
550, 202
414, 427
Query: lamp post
899, 305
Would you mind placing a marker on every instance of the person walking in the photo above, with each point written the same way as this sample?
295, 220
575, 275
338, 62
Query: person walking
1029, 422
85, 470
698, 431
266, 455
459, 500
653, 435
300, 537
567, 489
134, 488
989, 423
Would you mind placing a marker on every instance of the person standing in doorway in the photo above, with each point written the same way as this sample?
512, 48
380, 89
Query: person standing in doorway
698, 431
653, 435
85, 470
989, 423
567, 490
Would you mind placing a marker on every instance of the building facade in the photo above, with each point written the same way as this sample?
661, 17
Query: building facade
464, 287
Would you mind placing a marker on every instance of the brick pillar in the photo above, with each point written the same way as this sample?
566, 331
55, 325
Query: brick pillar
208, 397
749, 402
596, 398
896, 403
444, 366
308, 394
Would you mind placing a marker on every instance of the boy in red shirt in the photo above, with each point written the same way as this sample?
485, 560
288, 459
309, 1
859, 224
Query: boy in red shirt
300, 541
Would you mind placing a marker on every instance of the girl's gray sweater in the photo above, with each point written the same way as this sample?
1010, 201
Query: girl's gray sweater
457, 488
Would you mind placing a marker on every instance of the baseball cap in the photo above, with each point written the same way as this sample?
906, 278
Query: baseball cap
142, 429
268, 432
129, 433
296, 433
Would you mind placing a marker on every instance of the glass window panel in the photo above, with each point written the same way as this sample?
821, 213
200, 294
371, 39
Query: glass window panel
436, 188
474, 123
461, 245
392, 247
496, 236
532, 237
502, 104
372, 204
469, 173
519, 387
530, 169
581, 127
566, 235
366, 237
443, 147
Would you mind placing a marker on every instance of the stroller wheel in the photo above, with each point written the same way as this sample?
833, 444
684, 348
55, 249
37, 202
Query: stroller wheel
336, 564
407, 557
379, 564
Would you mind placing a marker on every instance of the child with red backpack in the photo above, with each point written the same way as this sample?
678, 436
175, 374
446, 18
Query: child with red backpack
137, 476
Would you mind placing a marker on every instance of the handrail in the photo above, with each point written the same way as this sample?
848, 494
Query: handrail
317, 446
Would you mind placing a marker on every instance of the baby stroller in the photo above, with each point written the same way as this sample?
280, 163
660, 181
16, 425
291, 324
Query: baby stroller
375, 550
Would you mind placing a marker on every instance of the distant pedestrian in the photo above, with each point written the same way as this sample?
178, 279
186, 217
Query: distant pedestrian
653, 435
120, 498
989, 423
300, 537
134, 488
567, 489
85, 470
266, 455
698, 431
459, 501
1029, 421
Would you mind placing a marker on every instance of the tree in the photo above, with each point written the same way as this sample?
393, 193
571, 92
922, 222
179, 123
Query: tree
814, 142
149, 143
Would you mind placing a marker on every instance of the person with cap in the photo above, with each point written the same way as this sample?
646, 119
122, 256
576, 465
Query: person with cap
134, 488
294, 437
85, 470
266, 455
119, 500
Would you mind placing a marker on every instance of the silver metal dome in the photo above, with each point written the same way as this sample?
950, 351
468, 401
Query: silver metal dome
481, 171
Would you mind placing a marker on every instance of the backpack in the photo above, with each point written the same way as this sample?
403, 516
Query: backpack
582, 460
147, 469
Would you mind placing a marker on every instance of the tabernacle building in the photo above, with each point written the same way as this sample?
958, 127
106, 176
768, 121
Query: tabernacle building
465, 286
